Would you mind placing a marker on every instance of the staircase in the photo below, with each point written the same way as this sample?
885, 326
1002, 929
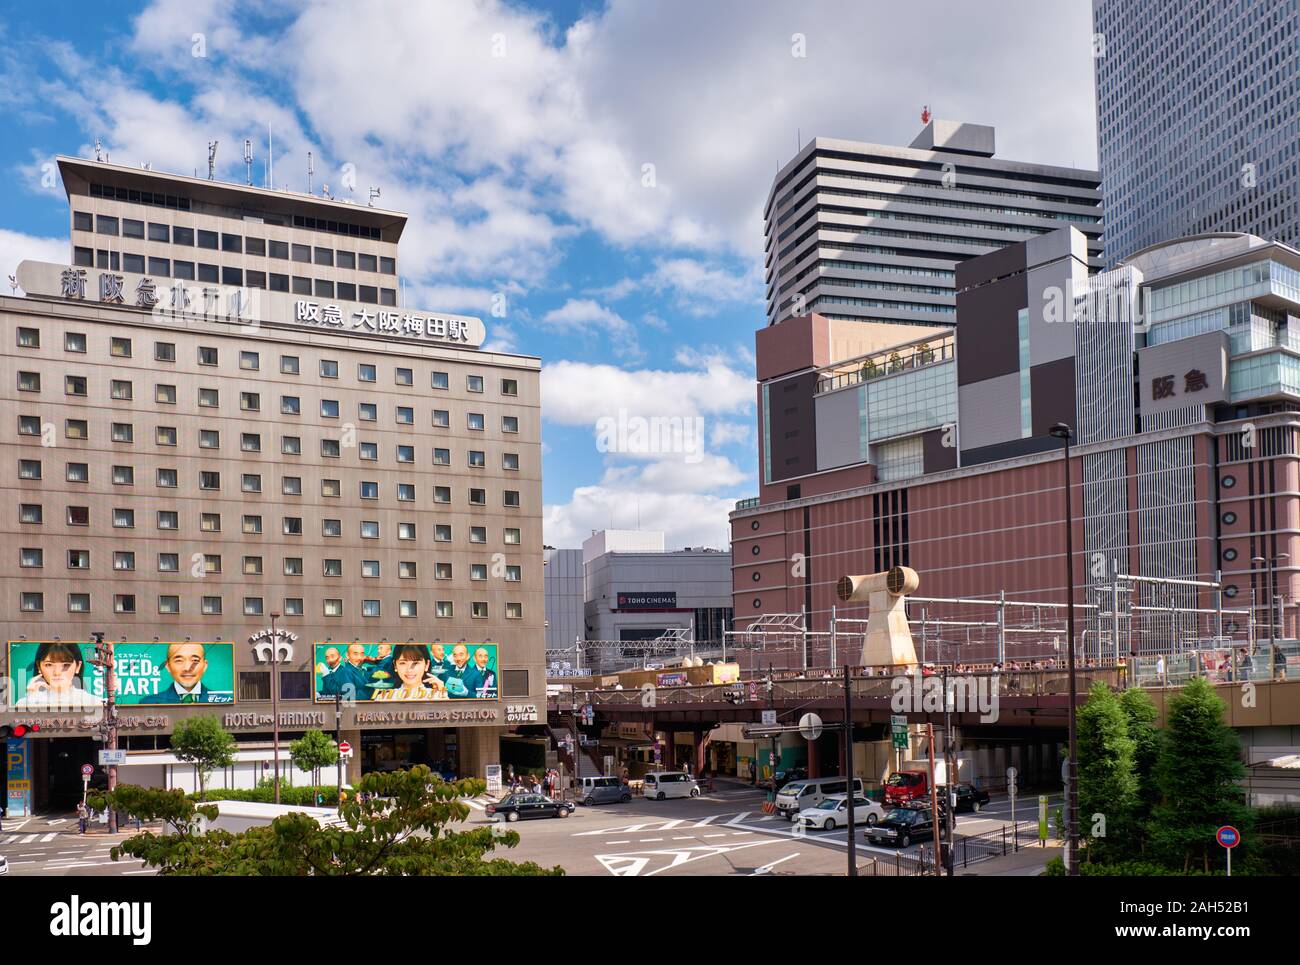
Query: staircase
583, 764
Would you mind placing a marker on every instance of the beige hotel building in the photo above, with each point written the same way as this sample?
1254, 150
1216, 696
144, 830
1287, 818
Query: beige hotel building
218, 410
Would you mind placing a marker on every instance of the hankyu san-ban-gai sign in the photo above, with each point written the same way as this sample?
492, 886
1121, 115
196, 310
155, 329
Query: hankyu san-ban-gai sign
246, 307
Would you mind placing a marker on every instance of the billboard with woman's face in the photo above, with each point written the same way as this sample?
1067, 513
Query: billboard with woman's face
406, 671
53, 676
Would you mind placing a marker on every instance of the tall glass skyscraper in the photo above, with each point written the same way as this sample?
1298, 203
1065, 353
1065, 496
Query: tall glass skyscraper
1197, 122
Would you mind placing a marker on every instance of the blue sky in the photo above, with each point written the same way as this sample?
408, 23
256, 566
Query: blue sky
598, 168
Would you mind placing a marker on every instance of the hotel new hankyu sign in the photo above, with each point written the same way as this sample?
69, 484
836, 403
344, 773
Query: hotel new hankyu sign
247, 307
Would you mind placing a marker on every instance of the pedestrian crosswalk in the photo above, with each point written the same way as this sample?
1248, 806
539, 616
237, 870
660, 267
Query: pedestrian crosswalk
29, 838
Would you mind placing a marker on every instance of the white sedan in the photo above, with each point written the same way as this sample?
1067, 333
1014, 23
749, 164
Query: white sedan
833, 813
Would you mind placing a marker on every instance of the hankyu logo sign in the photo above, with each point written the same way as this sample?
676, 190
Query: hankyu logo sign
247, 307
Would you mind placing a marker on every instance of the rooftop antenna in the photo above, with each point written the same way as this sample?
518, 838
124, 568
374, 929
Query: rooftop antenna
248, 160
212, 159
374, 193
99, 150
325, 192
310, 171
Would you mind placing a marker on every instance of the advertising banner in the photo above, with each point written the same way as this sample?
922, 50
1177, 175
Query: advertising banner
405, 671
647, 601
61, 677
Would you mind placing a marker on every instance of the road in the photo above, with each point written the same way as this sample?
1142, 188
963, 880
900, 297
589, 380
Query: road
724, 832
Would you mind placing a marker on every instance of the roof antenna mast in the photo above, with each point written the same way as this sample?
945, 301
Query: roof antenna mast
248, 160
212, 159
310, 171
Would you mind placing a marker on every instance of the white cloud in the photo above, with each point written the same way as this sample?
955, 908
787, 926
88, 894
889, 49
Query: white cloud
722, 433
579, 393
584, 316
16, 246
686, 519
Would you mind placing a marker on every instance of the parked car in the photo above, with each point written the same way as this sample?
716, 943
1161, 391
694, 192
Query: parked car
970, 797
833, 813
603, 790
513, 807
901, 826
658, 785
781, 778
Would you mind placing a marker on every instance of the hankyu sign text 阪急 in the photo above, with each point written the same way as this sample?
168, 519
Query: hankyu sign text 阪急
243, 306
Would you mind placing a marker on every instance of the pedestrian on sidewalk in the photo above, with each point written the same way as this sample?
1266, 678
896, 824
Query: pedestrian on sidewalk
753, 773
82, 816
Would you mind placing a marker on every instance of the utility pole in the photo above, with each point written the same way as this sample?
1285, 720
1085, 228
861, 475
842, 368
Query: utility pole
950, 768
848, 769
338, 741
771, 705
104, 659
275, 704
934, 798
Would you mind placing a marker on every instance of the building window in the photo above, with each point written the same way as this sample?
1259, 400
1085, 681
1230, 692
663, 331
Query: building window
292, 526
479, 610
255, 685
329, 408
29, 338
370, 608
331, 487
207, 355
441, 418
408, 608
252, 606
168, 519
31, 556
473, 383
124, 518
209, 439
289, 365
406, 570
74, 342
510, 537
511, 498
405, 492
368, 451
293, 606
404, 376
291, 486
29, 381
510, 460
78, 515
478, 571
478, 497
78, 602
474, 421
169, 604
442, 571
514, 611
212, 606
121, 390
369, 529
442, 457
210, 522
329, 448
31, 602
441, 380
119, 348
405, 415
124, 603
29, 425
509, 423
250, 401
165, 394
365, 372
293, 566
74, 385
406, 531
251, 525
369, 490
442, 494
332, 567
169, 562
250, 442
331, 527
209, 479
478, 534
164, 351
329, 369
510, 387
514, 574
31, 513
124, 561
76, 429
31, 469
334, 608
477, 459
292, 446
123, 432
444, 608
165, 435
442, 533
78, 559
406, 453
252, 565
123, 476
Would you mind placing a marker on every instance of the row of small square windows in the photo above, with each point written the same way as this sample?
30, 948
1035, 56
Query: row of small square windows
33, 557
234, 244
170, 604
33, 514
250, 482
234, 276
120, 347
78, 430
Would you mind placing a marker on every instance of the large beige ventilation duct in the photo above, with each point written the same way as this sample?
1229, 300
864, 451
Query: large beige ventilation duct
889, 639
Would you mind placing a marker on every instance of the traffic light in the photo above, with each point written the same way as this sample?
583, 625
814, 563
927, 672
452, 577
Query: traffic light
17, 730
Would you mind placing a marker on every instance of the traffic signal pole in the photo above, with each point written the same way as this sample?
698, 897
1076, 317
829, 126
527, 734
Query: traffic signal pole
104, 657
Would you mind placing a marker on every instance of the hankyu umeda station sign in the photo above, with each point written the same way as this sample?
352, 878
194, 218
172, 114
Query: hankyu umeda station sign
246, 307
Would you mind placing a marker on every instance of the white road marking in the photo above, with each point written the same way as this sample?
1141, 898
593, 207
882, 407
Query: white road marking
683, 837
648, 840
739, 817
772, 864
633, 864
703, 821
49, 837
719, 834
672, 824
29, 839
624, 841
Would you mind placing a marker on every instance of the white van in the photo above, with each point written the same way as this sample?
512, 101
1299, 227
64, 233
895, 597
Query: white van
658, 785
811, 791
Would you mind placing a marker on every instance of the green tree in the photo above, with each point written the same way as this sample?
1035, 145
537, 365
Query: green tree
1142, 714
1108, 784
201, 741
398, 830
1197, 774
313, 751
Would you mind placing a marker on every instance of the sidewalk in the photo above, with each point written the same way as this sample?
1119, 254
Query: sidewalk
1027, 862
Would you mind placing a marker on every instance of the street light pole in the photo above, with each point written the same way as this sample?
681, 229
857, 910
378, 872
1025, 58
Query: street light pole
275, 703
1062, 431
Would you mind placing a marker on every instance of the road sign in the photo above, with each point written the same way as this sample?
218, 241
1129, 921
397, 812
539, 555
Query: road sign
769, 718
810, 726
87, 770
900, 740
345, 749
753, 691
1012, 774
1229, 837
898, 720
108, 758
771, 759
493, 775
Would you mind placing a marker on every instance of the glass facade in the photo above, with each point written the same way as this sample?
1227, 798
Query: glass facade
1026, 395
1265, 374
912, 401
